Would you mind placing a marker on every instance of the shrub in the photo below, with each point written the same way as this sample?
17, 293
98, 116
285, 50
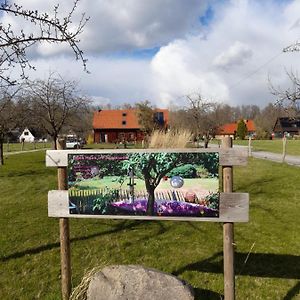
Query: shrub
170, 139
202, 172
241, 131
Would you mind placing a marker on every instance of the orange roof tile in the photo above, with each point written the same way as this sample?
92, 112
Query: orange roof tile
230, 128
120, 119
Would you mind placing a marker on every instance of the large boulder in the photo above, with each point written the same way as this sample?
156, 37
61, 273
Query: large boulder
132, 282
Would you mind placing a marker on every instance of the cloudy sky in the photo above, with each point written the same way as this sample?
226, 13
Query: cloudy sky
161, 50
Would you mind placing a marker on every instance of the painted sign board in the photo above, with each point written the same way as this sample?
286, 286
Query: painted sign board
160, 184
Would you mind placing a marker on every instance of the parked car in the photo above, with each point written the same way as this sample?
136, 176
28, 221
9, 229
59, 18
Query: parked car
72, 142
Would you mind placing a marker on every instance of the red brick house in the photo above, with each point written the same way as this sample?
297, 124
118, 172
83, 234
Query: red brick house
231, 128
116, 125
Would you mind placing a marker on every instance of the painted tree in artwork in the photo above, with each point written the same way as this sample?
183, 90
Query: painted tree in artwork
152, 167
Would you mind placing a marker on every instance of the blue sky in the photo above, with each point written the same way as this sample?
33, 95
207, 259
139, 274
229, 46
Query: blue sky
161, 50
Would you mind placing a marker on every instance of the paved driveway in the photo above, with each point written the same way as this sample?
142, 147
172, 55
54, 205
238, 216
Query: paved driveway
289, 159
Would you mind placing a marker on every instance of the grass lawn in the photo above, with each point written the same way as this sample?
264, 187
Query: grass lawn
275, 146
29, 248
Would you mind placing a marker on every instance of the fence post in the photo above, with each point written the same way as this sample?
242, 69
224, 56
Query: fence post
64, 233
228, 232
249, 146
283, 148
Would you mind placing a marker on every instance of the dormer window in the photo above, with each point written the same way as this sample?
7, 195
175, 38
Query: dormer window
124, 114
123, 122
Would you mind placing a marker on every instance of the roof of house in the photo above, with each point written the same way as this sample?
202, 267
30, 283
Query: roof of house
231, 128
287, 124
120, 118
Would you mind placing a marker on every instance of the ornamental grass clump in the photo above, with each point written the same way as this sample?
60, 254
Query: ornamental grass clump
170, 139
80, 292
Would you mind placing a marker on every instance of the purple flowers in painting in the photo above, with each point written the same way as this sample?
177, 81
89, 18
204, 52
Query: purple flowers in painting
167, 208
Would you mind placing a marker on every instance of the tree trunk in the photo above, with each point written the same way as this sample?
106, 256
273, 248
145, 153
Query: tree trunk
1, 153
54, 142
206, 141
151, 200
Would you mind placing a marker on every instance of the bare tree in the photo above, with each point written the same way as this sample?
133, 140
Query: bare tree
54, 103
145, 114
83, 128
265, 121
44, 27
202, 118
288, 98
11, 114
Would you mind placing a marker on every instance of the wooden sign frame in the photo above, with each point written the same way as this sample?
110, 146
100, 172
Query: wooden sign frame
233, 207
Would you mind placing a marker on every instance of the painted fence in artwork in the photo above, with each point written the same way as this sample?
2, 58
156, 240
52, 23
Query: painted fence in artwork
85, 198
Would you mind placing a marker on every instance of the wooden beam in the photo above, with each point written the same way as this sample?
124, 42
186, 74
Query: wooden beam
228, 231
228, 157
234, 207
64, 232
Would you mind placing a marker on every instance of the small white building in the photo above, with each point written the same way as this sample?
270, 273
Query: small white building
26, 136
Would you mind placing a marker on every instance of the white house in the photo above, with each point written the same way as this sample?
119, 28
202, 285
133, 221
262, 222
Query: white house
26, 136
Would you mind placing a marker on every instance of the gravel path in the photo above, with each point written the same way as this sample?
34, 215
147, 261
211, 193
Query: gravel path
276, 157
22, 152
289, 159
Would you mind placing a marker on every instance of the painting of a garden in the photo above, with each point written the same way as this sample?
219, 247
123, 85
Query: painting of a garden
147, 184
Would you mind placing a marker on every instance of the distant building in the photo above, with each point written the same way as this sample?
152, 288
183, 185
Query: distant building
117, 125
287, 126
230, 129
26, 136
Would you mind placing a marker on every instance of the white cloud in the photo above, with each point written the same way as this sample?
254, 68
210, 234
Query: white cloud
123, 25
231, 61
236, 55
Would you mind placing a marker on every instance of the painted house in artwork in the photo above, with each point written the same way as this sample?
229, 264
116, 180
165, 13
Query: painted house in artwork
26, 136
116, 125
287, 126
230, 129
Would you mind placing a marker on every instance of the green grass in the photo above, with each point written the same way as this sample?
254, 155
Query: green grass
29, 249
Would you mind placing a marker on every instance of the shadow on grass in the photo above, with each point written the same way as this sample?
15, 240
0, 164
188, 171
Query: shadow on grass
207, 294
121, 226
294, 291
258, 265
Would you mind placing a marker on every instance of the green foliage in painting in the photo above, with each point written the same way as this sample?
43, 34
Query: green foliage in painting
212, 200
101, 203
185, 171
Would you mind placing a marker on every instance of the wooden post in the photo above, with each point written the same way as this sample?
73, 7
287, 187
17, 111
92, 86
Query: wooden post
283, 148
228, 232
249, 146
65, 254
